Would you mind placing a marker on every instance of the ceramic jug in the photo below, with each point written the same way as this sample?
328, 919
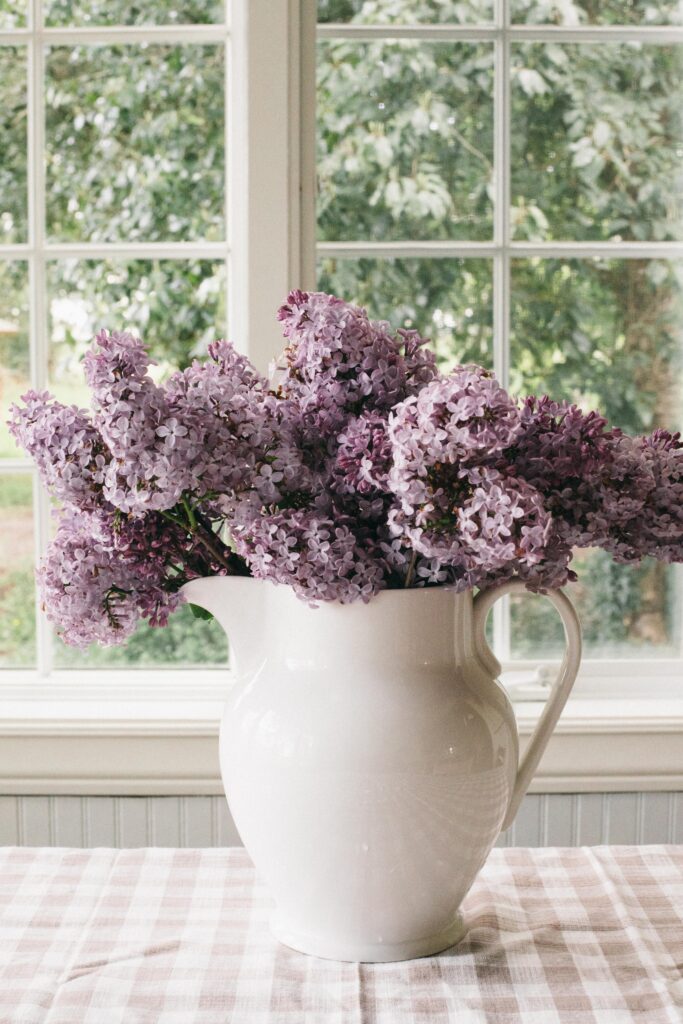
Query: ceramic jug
370, 757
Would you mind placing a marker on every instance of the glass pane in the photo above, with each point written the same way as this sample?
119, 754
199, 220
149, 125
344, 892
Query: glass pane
14, 350
12, 14
13, 145
598, 12
184, 642
17, 593
396, 12
176, 306
405, 140
597, 142
625, 611
120, 12
607, 334
447, 300
135, 143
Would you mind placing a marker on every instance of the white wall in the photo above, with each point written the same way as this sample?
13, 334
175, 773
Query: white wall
547, 819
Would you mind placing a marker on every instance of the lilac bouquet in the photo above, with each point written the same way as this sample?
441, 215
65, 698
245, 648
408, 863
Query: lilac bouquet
357, 467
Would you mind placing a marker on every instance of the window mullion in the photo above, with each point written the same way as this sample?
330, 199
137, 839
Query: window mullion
304, 261
663, 34
38, 344
260, 175
136, 250
443, 33
228, 57
501, 262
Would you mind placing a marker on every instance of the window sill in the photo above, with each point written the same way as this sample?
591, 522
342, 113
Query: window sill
127, 736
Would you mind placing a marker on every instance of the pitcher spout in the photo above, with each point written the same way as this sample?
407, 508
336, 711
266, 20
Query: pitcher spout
236, 602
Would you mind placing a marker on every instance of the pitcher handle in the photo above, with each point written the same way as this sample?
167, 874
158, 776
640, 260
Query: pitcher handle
561, 688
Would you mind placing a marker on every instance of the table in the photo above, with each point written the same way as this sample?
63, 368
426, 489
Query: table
181, 937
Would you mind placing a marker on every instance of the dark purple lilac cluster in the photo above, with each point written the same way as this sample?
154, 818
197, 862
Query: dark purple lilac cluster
357, 467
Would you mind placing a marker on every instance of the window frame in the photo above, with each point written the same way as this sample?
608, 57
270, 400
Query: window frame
271, 246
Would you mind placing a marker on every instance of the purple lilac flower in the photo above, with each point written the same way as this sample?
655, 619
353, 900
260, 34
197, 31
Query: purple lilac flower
654, 525
338, 361
477, 521
592, 479
452, 420
149, 446
233, 424
95, 592
356, 468
69, 452
364, 455
320, 558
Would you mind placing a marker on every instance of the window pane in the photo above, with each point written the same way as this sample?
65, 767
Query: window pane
184, 642
447, 300
607, 334
12, 14
597, 142
625, 611
17, 588
120, 12
135, 143
598, 12
13, 145
405, 140
393, 12
14, 350
176, 306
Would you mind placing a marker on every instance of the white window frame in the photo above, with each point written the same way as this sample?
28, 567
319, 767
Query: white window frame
154, 731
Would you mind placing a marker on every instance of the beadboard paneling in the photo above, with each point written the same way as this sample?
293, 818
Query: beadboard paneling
546, 819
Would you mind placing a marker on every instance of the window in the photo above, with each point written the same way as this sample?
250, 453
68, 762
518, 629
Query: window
506, 177
113, 213
144, 181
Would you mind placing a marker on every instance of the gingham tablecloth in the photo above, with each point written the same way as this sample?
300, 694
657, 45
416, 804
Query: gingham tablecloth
181, 937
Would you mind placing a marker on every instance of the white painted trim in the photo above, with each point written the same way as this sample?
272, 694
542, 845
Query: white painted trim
260, 155
38, 310
428, 33
308, 228
613, 684
120, 748
121, 35
349, 250
660, 34
501, 259
116, 35
118, 250
518, 250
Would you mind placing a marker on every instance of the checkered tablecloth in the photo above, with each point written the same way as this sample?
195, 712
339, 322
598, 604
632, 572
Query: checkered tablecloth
181, 937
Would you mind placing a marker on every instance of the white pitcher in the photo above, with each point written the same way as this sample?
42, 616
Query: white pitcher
370, 758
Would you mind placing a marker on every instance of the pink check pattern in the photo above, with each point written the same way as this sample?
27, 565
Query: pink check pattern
570, 936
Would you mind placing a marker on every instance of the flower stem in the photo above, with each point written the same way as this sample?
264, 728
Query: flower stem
200, 535
411, 570
203, 539
189, 512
